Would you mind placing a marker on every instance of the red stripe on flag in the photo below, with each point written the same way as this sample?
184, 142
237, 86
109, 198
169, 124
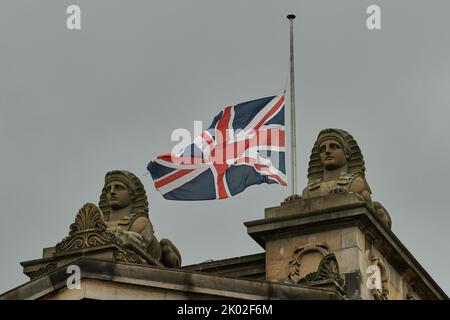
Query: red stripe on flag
221, 169
260, 167
207, 137
222, 136
278, 179
271, 112
223, 123
265, 136
168, 179
172, 158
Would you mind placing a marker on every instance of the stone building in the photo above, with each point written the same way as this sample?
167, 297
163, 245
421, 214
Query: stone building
332, 242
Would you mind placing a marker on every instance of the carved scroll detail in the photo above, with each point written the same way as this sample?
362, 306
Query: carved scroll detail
88, 230
43, 270
128, 256
327, 269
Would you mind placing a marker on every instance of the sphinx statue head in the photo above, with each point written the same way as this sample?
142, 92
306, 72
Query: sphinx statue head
334, 153
337, 165
124, 205
122, 190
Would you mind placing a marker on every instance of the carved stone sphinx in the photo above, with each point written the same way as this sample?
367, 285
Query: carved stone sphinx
118, 230
336, 165
124, 205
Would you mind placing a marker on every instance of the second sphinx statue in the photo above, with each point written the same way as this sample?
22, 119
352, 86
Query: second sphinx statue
124, 205
337, 165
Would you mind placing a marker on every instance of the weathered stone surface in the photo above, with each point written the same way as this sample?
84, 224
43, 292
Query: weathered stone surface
348, 259
352, 237
314, 265
105, 252
395, 279
110, 280
317, 205
251, 267
280, 251
354, 232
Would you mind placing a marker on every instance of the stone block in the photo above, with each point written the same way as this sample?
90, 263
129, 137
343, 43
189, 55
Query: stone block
279, 252
348, 259
352, 237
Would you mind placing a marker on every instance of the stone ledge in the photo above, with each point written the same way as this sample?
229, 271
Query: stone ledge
316, 205
250, 266
172, 280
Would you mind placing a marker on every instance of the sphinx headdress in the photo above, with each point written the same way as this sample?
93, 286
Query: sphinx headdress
354, 156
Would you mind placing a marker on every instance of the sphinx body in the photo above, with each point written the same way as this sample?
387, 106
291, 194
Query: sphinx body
124, 205
337, 165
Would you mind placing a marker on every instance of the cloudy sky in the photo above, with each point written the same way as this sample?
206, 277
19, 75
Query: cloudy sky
75, 104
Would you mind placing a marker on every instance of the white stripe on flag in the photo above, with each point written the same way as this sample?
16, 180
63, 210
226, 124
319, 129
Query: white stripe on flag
181, 181
260, 115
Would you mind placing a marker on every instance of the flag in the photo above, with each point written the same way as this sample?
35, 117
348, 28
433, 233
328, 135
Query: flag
243, 146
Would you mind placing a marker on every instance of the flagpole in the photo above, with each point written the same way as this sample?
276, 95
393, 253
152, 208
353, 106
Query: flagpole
291, 18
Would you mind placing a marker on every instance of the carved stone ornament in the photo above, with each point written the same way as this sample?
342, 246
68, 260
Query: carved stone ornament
327, 269
43, 270
128, 256
408, 281
89, 230
381, 293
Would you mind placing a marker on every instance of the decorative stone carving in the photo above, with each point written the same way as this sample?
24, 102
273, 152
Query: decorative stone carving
124, 204
408, 292
327, 268
337, 165
122, 222
408, 282
43, 270
128, 256
88, 230
381, 293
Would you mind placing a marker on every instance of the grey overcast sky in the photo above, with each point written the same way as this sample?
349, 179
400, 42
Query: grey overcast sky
76, 104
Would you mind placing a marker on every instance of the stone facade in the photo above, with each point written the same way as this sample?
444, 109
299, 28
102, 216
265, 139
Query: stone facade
333, 242
343, 225
114, 280
318, 248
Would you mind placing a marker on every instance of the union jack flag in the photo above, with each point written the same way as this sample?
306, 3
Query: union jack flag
243, 146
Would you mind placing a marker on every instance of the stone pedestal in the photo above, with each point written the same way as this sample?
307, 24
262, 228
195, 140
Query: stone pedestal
338, 241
